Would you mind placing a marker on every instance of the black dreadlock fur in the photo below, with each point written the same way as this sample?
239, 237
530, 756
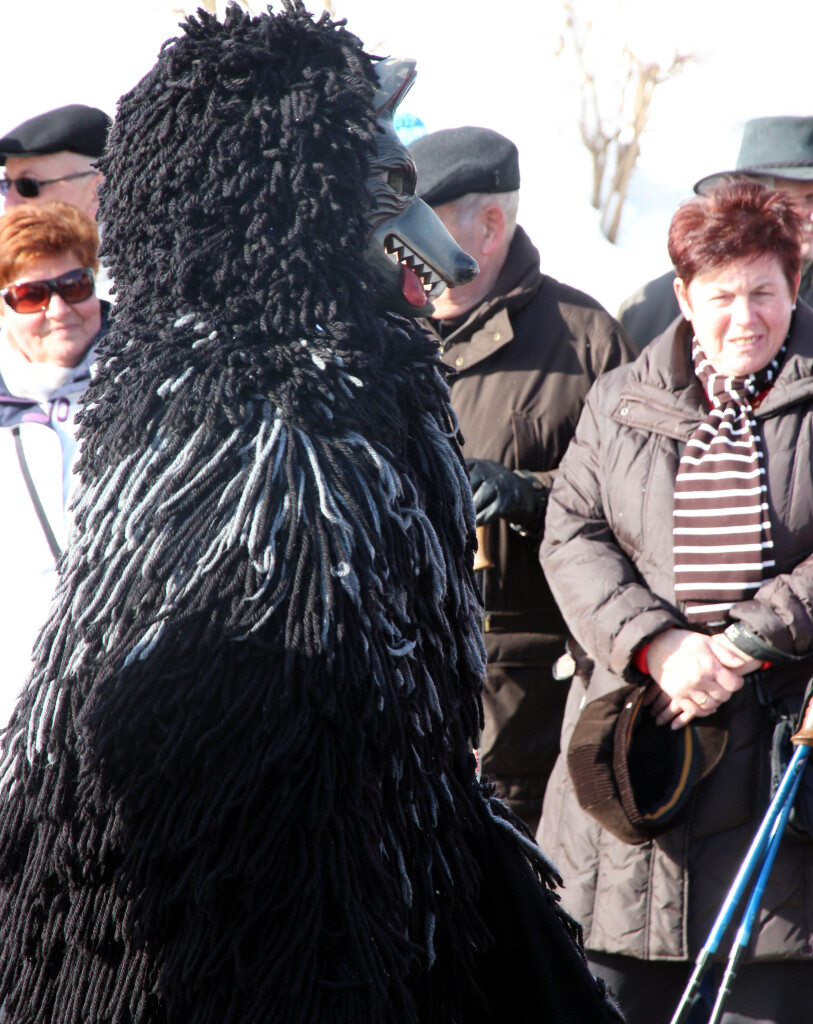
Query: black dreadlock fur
239, 787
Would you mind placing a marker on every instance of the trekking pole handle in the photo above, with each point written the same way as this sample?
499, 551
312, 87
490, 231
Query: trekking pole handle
482, 556
804, 734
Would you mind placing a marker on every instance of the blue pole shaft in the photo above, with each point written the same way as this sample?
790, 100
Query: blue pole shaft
785, 790
744, 933
747, 924
784, 794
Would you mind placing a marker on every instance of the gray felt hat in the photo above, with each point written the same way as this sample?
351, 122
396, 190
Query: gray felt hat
779, 147
75, 127
455, 161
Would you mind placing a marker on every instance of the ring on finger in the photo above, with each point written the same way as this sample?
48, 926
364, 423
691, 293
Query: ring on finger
701, 701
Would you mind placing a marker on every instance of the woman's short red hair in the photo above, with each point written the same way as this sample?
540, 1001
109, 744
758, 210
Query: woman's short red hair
736, 220
36, 231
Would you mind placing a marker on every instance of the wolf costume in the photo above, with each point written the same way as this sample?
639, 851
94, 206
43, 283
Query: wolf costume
239, 787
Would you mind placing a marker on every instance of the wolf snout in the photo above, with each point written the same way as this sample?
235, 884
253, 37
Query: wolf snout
464, 269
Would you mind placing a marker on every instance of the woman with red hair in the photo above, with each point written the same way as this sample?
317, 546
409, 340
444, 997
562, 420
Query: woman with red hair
679, 546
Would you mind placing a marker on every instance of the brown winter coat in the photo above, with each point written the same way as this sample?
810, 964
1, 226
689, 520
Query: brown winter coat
523, 363
608, 554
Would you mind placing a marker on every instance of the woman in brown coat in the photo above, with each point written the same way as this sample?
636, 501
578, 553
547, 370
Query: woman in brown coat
679, 546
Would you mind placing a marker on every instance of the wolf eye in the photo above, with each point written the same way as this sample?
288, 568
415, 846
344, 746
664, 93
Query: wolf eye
401, 181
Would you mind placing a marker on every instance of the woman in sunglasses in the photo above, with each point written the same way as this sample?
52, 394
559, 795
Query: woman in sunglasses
50, 319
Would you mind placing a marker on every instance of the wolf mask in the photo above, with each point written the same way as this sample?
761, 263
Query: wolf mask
408, 246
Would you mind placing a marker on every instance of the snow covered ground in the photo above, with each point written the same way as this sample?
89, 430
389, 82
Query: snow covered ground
491, 62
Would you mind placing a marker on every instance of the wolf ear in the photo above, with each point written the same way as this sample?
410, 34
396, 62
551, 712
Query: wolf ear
395, 77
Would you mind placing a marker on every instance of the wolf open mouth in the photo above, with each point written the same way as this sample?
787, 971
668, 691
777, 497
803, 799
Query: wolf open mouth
419, 280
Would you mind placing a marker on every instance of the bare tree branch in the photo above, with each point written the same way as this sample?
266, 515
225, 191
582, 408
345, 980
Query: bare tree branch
612, 139
596, 138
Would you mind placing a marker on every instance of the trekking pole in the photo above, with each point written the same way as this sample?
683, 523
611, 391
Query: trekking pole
785, 791
802, 739
744, 932
482, 563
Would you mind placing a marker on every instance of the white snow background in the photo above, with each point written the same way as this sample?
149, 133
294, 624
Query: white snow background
493, 63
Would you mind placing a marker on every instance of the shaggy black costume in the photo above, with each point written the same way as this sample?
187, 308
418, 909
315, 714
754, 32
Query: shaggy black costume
239, 787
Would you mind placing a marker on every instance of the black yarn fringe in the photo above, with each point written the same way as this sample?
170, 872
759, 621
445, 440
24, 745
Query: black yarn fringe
238, 787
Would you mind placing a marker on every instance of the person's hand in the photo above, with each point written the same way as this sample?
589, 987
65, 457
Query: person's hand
691, 679
732, 657
499, 493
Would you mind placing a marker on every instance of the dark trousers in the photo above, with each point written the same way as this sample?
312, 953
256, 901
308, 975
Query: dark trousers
776, 992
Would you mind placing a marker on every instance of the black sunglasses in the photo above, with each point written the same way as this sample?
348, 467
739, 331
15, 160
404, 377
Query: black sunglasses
35, 296
29, 188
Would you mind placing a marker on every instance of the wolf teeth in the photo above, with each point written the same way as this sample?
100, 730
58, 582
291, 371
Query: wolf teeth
398, 252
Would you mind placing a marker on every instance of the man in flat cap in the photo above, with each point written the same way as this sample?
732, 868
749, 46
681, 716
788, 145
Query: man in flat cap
51, 156
524, 350
778, 151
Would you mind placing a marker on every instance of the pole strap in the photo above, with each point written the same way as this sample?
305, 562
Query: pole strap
53, 544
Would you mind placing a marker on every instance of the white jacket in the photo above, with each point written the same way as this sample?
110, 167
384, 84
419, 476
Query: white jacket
28, 577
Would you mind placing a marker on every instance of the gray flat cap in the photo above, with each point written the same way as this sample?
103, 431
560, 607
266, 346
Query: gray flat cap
455, 161
779, 147
76, 127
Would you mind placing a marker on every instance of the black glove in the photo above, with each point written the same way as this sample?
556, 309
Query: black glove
500, 493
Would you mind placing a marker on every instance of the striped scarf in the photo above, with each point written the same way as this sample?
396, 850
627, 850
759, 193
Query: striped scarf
722, 532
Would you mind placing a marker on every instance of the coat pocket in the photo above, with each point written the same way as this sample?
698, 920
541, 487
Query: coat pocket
731, 795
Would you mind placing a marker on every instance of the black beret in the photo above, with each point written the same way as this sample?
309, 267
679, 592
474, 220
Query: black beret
76, 127
455, 161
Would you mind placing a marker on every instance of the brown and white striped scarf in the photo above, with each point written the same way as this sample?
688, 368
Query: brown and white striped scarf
721, 529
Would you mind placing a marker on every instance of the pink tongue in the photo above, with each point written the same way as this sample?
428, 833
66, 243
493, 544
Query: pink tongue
412, 288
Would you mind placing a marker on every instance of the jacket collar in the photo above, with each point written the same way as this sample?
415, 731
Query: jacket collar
795, 381
661, 392
487, 328
15, 410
